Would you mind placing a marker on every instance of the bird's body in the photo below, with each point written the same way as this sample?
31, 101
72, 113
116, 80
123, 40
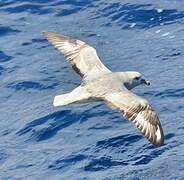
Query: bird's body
98, 83
106, 83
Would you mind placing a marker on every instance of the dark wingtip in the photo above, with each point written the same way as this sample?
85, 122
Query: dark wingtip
160, 136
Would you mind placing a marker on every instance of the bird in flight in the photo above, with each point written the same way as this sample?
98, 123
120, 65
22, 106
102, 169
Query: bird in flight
98, 83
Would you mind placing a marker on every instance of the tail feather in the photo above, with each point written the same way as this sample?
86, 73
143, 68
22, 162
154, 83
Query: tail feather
62, 100
77, 95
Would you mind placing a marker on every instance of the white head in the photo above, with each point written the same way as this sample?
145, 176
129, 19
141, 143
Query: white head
132, 79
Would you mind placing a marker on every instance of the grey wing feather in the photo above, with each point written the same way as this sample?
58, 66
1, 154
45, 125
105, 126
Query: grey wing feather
81, 56
138, 111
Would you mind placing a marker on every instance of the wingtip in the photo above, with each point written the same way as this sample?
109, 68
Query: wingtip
160, 136
158, 144
45, 33
50, 35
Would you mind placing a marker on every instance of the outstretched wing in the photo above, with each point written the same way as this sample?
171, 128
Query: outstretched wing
81, 56
138, 111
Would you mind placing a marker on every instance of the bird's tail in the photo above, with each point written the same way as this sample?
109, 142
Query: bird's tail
62, 100
77, 95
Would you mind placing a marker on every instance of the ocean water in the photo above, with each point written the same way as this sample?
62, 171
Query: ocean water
89, 141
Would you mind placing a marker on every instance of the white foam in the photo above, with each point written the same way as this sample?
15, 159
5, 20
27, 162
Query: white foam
132, 25
158, 31
159, 10
171, 37
166, 34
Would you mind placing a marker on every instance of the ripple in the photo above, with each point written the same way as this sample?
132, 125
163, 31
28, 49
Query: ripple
74, 6
5, 3
4, 30
6, 132
26, 85
41, 7
150, 93
91, 144
1, 70
28, 7
170, 55
64, 162
77, 3
37, 40
46, 127
143, 16
118, 141
3, 157
103, 163
89, 113
122, 147
145, 159
66, 12
171, 93
142, 159
99, 126
169, 136
4, 57
24, 166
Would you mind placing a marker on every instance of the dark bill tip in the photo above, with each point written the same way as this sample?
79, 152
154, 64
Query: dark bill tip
143, 81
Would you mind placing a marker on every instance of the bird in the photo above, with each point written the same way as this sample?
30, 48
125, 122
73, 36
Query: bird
99, 83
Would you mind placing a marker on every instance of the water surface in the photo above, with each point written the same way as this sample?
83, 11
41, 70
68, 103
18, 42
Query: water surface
89, 141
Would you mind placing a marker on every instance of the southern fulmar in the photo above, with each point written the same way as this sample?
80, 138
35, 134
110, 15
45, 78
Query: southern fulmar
98, 83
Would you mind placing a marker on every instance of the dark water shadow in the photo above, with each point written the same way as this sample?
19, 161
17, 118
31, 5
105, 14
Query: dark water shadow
171, 55
144, 16
67, 161
4, 57
3, 3
119, 141
46, 127
169, 136
3, 157
1, 70
33, 8
66, 12
41, 7
103, 163
149, 93
27, 85
4, 30
92, 113
144, 159
36, 40
120, 144
126, 146
74, 6
168, 93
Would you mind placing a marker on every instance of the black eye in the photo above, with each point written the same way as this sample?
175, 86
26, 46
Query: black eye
137, 78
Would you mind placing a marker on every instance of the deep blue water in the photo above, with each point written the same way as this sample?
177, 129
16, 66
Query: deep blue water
89, 141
